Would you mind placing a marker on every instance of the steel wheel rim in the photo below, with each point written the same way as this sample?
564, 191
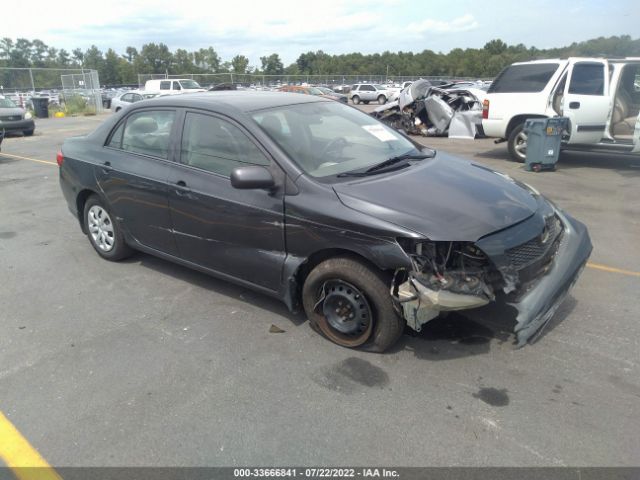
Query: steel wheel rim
101, 228
520, 145
346, 311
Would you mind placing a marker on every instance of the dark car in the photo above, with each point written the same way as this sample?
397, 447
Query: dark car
320, 205
14, 118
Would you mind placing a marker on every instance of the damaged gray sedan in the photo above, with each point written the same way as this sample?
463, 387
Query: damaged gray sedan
320, 205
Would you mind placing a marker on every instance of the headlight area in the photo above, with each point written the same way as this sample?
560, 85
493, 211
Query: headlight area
445, 276
27, 115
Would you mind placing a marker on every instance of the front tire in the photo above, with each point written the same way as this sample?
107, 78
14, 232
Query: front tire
355, 99
104, 234
28, 133
349, 303
382, 100
517, 144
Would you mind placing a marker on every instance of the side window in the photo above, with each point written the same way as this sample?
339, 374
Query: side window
368, 88
148, 133
587, 79
217, 146
176, 86
116, 137
136, 97
126, 97
165, 85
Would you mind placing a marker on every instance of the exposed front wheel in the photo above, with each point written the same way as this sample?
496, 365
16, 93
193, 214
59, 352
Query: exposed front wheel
349, 303
104, 234
517, 144
381, 100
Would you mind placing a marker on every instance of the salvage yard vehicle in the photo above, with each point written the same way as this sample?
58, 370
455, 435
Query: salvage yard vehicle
14, 118
127, 98
424, 109
174, 86
320, 205
597, 95
369, 92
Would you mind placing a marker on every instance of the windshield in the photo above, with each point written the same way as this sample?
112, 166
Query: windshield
189, 84
314, 91
380, 87
327, 139
6, 103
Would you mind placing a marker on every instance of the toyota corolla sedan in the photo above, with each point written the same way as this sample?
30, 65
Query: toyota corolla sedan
320, 205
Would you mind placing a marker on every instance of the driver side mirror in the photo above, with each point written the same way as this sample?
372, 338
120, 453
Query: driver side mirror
252, 178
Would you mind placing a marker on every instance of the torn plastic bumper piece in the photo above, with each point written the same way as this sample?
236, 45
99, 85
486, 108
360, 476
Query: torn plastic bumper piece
537, 306
420, 304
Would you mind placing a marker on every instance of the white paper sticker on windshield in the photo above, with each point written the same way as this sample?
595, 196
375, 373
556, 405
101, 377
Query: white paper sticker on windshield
379, 132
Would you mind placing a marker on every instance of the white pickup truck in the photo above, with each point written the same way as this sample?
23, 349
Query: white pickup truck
601, 98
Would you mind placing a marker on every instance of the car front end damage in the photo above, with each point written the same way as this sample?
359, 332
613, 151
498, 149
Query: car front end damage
530, 266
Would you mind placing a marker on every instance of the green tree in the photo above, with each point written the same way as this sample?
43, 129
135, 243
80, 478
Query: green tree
272, 65
240, 63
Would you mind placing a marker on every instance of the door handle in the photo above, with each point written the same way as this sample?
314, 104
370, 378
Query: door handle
106, 167
574, 105
181, 187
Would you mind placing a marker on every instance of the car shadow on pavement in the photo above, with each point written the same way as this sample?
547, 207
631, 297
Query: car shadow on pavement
628, 164
474, 332
219, 286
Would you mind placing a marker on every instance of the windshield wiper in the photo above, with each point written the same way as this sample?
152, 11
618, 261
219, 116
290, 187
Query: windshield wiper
380, 167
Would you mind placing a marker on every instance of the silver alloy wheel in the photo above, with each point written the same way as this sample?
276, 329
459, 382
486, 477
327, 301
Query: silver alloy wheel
101, 228
520, 145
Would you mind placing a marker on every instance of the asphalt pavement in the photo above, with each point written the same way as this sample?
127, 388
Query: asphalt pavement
146, 363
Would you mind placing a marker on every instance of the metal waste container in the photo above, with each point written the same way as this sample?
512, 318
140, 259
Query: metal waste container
40, 106
543, 142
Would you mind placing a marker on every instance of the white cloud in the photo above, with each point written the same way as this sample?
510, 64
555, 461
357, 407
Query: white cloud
461, 24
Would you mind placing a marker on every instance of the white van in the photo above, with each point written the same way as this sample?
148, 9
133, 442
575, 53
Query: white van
172, 86
601, 98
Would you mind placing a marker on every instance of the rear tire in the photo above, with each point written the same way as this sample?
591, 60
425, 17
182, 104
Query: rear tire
371, 324
28, 133
355, 99
104, 234
382, 100
517, 144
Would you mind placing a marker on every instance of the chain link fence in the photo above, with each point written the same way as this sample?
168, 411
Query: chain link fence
57, 84
83, 88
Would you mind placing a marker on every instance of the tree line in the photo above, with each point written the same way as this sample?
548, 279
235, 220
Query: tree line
122, 68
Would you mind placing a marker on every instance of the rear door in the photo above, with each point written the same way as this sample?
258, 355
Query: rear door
587, 101
236, 232
133, 176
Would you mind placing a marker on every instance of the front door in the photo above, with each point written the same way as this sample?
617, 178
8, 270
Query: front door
587, 101
235, 232
133, 176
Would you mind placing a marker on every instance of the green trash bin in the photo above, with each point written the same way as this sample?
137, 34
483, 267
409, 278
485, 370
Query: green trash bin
40, 106
543, 142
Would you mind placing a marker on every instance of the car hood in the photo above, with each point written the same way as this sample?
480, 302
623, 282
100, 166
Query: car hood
443, 198
10, 112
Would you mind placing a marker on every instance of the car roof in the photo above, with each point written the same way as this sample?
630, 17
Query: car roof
234, 100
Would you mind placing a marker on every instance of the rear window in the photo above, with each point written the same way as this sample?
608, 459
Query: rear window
523, 78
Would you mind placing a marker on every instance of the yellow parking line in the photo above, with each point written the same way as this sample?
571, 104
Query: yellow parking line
605, 268
18, 454
26, 158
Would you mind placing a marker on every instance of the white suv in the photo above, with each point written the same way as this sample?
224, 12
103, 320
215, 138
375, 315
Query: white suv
368, 92
599, 96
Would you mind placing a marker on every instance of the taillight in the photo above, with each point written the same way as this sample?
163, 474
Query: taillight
60, 158
485, 108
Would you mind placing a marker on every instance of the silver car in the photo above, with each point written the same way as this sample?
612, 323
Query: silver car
127, 98
369, 92
14, 118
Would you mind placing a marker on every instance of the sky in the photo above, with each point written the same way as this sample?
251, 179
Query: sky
292, 27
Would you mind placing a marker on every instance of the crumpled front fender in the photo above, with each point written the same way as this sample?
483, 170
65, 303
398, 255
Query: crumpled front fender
540, 302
